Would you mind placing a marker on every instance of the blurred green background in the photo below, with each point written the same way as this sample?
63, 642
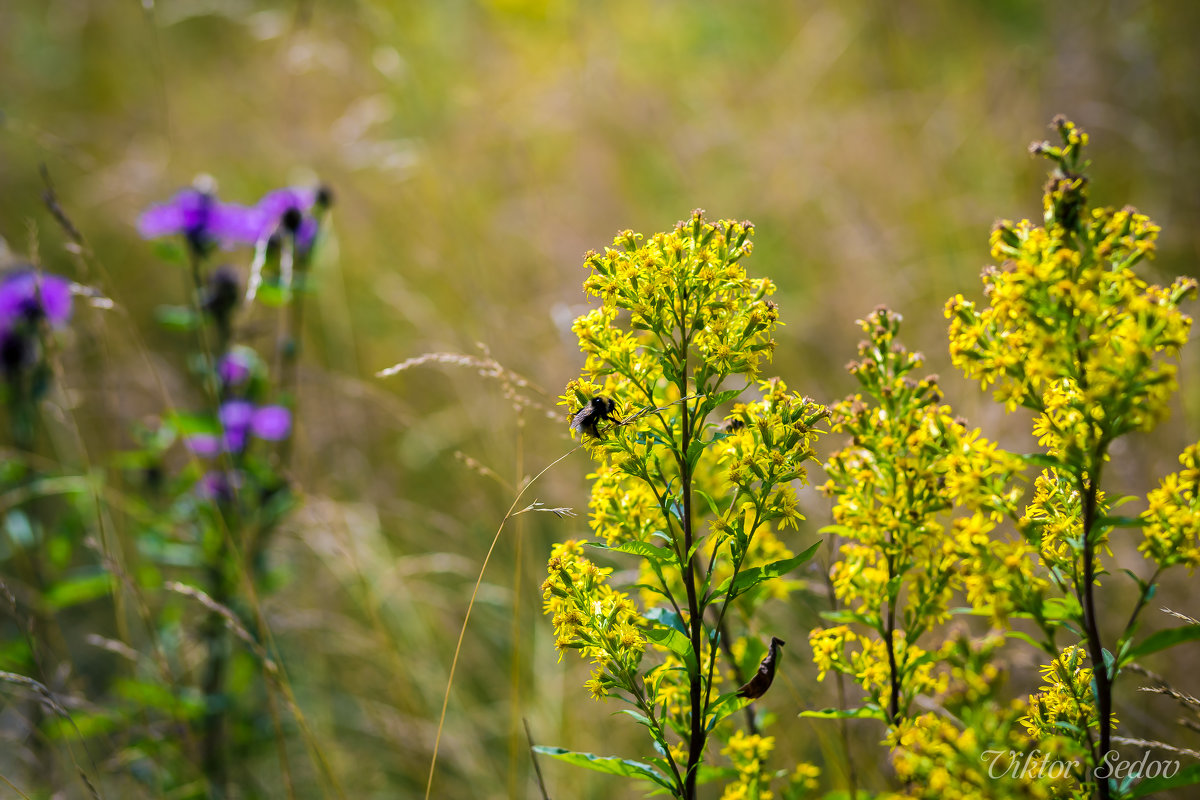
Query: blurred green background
476, 150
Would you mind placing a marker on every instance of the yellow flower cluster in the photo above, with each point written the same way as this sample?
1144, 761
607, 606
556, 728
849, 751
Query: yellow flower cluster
701, 502
974, 746
1070, 331
748, 753
592, 617
988, 759
916, 498
1172, 532
766, 447
1067, 701
865, 658
623, 510
690, 279
1055, 519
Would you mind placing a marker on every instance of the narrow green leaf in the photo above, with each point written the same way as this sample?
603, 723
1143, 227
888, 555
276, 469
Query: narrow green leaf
844, 616
1122, 522
1025, 637
866, 712
749, 578
1041, 460
1189, 776
78, 589
712, 504
171, 252
180, 318
611, 765
643, 549
1162, 640
722, 707
641, 718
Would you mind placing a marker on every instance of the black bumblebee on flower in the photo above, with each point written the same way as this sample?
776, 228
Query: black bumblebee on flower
587, 419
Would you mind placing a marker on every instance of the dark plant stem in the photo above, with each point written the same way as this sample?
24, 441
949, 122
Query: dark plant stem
893, 669
213, 732
214, 763
1095, 644
696, 620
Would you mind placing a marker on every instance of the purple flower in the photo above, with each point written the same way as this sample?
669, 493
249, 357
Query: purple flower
289, 208
272, 423
241, 419
202, 219
235, 367
26, 298
29, 296
204, 445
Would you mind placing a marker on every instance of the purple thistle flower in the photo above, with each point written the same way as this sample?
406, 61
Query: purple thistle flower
272, 423
26, 298
29, 296
235, 367
204, 445
241, 419
202, 219
289, 208
236, 414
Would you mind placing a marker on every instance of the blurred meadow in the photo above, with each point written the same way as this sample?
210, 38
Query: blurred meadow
476, 150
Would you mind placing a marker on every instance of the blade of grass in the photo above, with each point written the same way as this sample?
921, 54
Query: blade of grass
470, 605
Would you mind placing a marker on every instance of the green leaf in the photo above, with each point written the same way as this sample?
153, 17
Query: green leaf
147, 694
748, 579
191, 424
76, 590
1186, 777
866, 712
722, 707
1041, 460
171, 252
712, 504
272, 295
677, 643
180, 318
641, 718
643, 549
81, 724
1161, 640
667, 618
1062, 608
1122, 522
1025, 637
720, 398
612, 765
845, 616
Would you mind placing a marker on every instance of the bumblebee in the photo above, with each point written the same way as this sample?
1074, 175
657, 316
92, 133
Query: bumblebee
587, 419
757, 686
